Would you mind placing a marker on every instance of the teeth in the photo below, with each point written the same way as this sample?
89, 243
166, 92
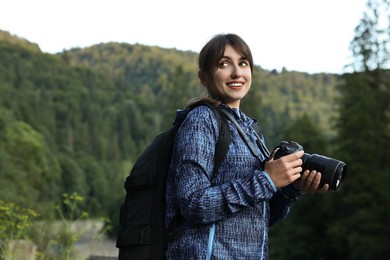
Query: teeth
235, 84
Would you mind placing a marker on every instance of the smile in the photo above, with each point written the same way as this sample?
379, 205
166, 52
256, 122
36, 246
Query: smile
235, 85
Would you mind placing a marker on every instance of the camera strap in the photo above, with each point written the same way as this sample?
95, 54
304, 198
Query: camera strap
260, 144
250, 144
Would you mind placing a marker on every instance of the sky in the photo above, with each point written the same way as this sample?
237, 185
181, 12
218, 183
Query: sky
310, 36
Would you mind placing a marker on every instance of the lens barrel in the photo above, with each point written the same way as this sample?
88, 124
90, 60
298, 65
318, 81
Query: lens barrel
333, 172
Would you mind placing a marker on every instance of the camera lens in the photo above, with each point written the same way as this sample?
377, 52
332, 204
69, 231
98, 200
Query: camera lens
333, 171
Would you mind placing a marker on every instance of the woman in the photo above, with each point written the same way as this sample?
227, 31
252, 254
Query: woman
227, 216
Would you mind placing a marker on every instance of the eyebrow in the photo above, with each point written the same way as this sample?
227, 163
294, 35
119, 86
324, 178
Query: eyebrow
227, 57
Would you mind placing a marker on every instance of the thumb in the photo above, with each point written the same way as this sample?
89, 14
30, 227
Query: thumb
272, 155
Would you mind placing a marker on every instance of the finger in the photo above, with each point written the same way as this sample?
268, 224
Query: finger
295, 177
310, 178
294, 156
303, 178
295, 163
305, 174
312, 181
317, 180
324, 188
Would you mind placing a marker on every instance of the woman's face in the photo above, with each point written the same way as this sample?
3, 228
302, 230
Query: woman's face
232, 78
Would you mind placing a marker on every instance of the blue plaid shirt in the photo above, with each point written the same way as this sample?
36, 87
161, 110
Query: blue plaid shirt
227, 217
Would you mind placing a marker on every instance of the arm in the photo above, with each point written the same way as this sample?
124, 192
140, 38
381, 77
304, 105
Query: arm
192, 165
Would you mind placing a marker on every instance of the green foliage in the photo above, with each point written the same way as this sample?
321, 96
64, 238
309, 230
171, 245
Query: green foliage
304, 131
7, 37
26, 166
280, 98
15, 222
302, 235
354, 222
364, 140
370, 45
57, 239
69, 213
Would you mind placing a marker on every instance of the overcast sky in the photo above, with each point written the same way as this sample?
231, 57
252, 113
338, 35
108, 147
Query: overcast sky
302, 35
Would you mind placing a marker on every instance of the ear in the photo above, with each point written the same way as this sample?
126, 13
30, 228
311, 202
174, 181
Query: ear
203, 78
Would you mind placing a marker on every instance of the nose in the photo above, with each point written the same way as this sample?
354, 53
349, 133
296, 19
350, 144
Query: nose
236, 71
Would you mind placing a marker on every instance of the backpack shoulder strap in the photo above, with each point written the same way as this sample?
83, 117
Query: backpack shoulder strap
224, 137
223, 142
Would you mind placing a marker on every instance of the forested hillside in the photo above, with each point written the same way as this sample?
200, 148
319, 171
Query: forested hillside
58, 131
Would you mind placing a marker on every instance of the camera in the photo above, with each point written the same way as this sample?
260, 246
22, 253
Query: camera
333, 171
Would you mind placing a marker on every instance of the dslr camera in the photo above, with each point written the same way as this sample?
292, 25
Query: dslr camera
333, 171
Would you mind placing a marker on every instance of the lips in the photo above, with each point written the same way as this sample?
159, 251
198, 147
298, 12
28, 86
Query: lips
235, 85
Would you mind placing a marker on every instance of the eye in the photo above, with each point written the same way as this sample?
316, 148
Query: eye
244, 63
223, 64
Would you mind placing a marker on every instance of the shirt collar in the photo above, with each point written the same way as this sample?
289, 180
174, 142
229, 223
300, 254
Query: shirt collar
238, 115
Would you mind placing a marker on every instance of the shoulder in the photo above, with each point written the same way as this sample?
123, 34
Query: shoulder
201, 118
202, 111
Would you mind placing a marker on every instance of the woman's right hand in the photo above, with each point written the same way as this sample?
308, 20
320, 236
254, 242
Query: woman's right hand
284, 170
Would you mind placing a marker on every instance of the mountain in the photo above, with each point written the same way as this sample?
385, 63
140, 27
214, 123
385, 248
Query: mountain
16, 40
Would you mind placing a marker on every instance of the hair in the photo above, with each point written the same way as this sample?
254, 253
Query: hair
211, 54
213, 51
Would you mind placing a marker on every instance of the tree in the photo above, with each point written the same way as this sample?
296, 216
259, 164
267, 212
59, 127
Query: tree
371, 44
303, 234
360, 221
26, 166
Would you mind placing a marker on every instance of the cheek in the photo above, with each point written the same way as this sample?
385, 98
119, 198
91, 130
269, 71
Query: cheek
248, 75
248, 78
218, 78
212, 89
216, 82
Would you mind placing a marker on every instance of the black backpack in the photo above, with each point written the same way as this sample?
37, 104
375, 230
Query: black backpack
143, 234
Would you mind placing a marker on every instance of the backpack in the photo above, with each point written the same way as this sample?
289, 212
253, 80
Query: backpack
143, 234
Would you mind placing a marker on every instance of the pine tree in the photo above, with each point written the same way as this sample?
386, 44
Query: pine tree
361, 216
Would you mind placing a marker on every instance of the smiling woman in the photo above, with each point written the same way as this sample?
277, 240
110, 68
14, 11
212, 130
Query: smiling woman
225, 213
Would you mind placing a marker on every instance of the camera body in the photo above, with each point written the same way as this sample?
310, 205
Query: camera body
333, 171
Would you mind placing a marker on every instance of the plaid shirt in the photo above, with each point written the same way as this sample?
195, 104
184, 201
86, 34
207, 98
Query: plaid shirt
228, 217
